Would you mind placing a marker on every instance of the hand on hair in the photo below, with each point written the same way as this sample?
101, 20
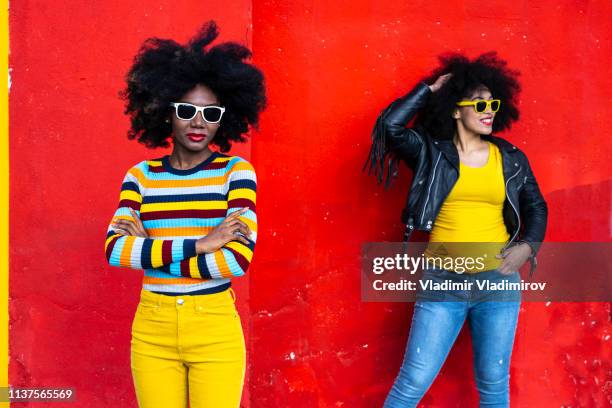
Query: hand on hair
442, 79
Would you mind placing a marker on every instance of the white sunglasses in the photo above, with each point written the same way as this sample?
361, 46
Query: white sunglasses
187, 111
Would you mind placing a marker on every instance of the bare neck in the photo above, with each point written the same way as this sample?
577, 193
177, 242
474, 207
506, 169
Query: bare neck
467, 141
181, 158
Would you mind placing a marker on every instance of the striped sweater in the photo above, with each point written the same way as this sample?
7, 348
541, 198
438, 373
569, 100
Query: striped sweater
176, 208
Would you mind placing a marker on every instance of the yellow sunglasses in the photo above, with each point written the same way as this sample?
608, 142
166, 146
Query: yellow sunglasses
481, 105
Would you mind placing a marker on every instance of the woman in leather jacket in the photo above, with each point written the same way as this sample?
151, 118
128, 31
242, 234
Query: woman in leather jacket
468, 186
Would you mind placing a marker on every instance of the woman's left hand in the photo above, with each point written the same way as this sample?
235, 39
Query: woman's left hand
513, 258
130, 227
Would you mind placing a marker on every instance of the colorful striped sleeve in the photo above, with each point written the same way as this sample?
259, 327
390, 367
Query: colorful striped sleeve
137, 252
234, 258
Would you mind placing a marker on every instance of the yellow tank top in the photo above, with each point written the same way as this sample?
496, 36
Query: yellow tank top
472, 217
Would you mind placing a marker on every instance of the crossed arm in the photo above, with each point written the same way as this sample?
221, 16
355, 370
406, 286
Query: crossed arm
225, 252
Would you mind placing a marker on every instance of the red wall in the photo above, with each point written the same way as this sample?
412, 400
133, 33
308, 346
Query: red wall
71, 313
330, 69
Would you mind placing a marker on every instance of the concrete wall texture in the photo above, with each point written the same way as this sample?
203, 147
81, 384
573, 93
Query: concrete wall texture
330, 66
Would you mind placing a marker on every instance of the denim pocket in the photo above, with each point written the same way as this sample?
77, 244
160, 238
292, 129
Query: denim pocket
220, 304
147, 309
218, 309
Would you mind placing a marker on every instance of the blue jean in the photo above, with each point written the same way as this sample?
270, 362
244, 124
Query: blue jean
436, 322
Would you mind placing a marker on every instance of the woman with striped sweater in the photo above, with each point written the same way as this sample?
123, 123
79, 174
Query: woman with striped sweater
188, 219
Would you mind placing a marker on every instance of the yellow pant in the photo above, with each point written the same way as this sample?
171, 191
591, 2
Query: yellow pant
188, 348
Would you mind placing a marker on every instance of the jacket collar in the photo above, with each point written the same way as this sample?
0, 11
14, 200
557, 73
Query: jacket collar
449, 150
502, 144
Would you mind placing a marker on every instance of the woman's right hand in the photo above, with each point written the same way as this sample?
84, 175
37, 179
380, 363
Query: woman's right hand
442, 79
230, 229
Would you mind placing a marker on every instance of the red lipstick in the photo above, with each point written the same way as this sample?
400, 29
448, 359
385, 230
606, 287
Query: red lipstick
196, 137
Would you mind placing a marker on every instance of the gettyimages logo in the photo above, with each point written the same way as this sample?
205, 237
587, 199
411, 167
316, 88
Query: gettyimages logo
567, 271
405, 262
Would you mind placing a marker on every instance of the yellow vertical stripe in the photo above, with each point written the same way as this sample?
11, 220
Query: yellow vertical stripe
194, 271
108, 240
156, 253
222, 265
4, 196
125, 259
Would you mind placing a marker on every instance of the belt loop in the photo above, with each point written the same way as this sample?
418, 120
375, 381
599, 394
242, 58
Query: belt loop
232, 294
198, 301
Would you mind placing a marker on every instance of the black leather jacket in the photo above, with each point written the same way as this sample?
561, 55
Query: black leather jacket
435, 163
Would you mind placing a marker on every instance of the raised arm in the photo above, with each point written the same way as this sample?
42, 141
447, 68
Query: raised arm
397, 115
390, 135
234, 257
138, 252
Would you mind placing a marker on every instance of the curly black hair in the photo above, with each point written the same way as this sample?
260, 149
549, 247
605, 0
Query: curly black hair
163, 71
488, 70
436, 116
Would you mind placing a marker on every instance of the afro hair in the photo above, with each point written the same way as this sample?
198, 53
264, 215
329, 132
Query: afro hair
467, 76
163, 71
435, 118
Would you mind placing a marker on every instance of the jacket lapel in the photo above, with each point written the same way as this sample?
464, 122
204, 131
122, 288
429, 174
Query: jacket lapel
449, 150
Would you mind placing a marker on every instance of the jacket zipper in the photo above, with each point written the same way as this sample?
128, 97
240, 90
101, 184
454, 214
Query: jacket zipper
429, 188
518, 217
